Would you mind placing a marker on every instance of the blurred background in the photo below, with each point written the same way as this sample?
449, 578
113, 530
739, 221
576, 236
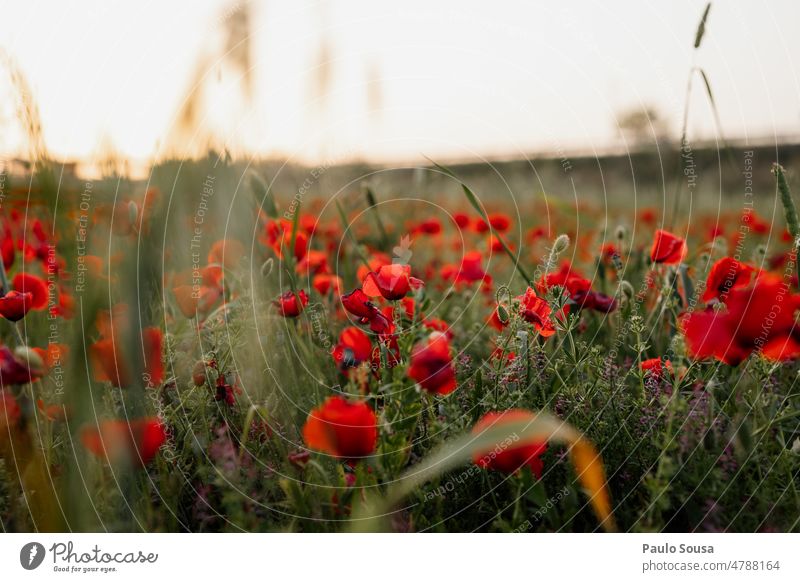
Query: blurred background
357, 81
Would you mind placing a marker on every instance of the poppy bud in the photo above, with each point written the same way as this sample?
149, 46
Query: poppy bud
502, 314
561, 244
199, 373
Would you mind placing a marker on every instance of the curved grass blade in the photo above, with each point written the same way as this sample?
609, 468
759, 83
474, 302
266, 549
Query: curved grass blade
585, 459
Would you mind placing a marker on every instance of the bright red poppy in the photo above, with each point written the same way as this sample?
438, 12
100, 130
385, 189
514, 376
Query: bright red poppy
760, 316
656, 367
432, 365
27, 283
354, 347
345, 430
288, 305
726, 274
325, 283
390, 281
118, 441
509, 458
14, 305
668, 248
536, 311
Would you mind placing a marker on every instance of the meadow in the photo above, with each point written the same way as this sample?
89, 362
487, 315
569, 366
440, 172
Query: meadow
505, 348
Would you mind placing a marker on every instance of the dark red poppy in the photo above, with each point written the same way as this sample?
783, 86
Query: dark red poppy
26, 283
668, 248
14, 305
536, 311
595, 301
109, 363
18, 369
510, 457
430, 226
726, 274
432, 365
390, 281
354, 348
118, 441
287, 303
358, 303
345, 430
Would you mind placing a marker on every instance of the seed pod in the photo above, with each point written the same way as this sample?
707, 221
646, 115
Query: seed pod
266, 268
502, 314
627, 289
561, 244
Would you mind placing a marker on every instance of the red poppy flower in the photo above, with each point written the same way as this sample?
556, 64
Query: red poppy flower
136, 442
758, 317
7, 249
498, 222
496, 322
572, 281
470, 271
279, 237
324, 283
656, 367
193, 300
226, 252
358, 303
461, 219
314, 263
288, 305
108, 360
18, 369
595, 301
345, 430
511, 457
353, 348
432, 365
26, 283
726, 274
668, 248
536, 311
14, 305
390, 281
430, 226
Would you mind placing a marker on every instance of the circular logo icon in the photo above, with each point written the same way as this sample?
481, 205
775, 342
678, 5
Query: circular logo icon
31, 555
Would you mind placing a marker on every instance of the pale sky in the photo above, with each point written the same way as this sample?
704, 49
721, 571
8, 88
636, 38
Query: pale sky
451, 78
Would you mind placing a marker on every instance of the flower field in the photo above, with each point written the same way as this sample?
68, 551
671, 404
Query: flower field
202, 352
